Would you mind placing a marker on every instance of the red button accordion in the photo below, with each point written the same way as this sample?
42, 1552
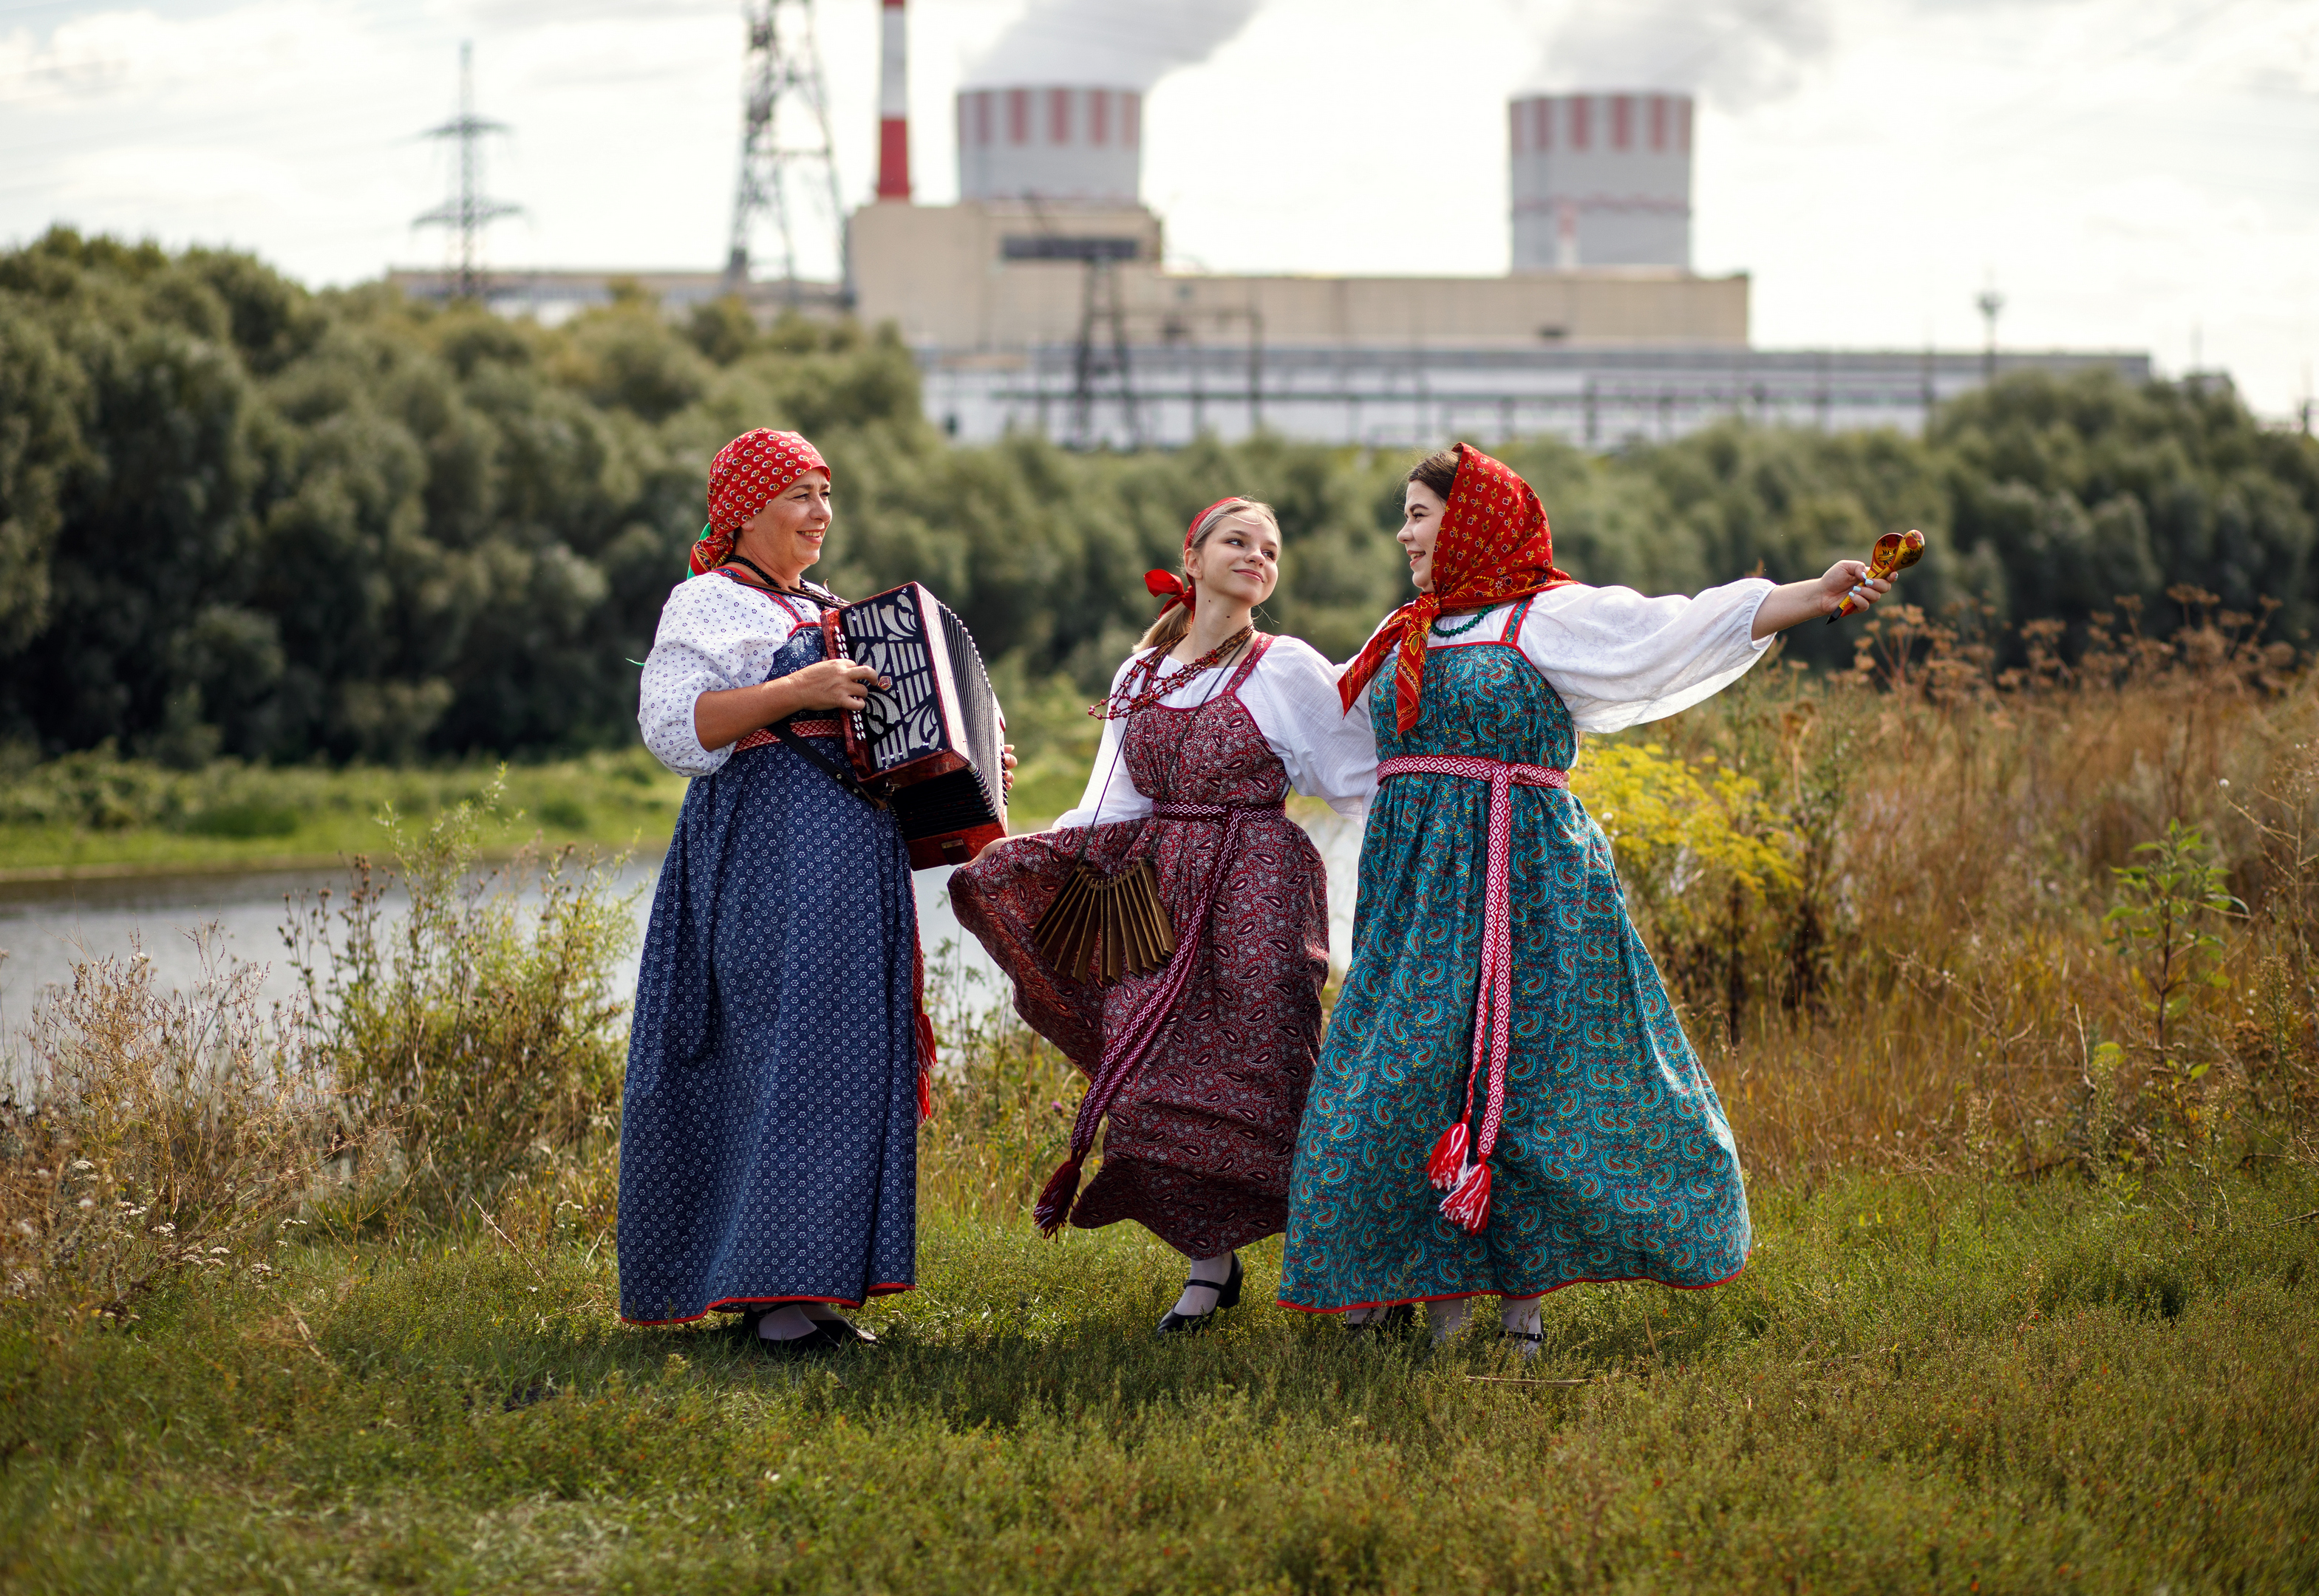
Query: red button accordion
929, 745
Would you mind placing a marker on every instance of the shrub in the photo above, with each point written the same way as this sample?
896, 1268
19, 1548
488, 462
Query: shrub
167, 1131
1003, 1100
480, 1033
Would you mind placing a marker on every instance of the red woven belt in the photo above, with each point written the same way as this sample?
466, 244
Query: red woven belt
1465, 1178
763, 735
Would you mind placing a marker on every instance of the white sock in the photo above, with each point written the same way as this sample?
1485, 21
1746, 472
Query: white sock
1520, 1317
819, 1310
785, 1323
1446, 1318
1192, 1303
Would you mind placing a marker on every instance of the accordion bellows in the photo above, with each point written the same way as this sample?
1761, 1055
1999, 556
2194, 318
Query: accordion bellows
1102, 927
930, 743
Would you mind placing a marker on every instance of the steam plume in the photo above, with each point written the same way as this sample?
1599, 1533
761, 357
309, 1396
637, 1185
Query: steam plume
1113, 43
1737, 52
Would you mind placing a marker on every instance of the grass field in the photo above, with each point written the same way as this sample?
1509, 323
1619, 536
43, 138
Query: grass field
2009, 985
1921, 1384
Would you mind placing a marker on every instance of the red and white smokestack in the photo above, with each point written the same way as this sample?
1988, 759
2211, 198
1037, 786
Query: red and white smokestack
894, 107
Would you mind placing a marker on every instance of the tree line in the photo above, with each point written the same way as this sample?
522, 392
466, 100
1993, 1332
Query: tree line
241, 517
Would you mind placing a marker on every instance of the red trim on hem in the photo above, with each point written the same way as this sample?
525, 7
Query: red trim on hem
1454, 1296
733, 1303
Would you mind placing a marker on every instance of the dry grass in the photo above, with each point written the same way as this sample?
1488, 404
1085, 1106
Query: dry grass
1935, 986
167, 1131
477, 1036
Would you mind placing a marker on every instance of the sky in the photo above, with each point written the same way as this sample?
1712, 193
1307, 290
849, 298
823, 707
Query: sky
2128, 173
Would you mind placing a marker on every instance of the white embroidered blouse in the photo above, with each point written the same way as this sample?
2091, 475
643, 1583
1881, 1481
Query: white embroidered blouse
1618, 659
713, 635
1291, 694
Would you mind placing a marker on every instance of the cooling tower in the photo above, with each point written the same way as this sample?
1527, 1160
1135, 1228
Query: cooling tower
1601, 180
1059, 145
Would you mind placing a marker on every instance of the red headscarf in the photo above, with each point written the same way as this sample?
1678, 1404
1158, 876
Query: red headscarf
1494, 547
748, 473
1171, 585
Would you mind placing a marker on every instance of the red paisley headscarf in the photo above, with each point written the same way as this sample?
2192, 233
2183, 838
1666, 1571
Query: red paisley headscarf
1494, 547
748, 473
1171, 585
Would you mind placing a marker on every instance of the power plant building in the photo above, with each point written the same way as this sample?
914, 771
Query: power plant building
1058, 144
1600, 180
1042, 299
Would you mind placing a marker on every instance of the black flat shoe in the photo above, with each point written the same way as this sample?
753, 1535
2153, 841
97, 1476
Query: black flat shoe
822, 1337
846, 1332
1227, 1296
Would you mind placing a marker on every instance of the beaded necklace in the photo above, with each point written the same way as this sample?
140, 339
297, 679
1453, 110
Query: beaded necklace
1442, 628
1124, 703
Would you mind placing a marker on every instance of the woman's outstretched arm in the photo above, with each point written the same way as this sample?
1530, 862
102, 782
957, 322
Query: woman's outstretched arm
1793, 603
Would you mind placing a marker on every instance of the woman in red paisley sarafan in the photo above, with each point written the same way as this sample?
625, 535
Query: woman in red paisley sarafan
1202, 1062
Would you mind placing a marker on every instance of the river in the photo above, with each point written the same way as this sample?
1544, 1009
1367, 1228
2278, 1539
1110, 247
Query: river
46, 928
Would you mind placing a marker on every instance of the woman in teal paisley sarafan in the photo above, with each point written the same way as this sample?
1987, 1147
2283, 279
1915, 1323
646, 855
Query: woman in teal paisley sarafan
1505, 1103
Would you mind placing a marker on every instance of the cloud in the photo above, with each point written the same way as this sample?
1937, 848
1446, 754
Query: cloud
111, 54
1116, 44
1737, 53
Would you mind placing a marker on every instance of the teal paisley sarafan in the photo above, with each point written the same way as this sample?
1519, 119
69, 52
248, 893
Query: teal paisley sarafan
1615, 1162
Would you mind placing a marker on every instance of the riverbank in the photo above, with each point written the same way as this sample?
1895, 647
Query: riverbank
90, 817
1921, 1383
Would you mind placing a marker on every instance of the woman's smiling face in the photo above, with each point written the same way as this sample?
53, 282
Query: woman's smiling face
1240, 560
786, 535
1421, 508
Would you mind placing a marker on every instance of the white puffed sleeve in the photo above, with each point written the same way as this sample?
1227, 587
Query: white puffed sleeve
1111, 793
1618, 659
713, 635
1330, 755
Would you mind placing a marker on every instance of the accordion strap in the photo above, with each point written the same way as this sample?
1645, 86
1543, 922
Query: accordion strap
783, 730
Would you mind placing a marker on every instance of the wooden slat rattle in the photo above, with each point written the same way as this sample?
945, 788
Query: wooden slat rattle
1894, 553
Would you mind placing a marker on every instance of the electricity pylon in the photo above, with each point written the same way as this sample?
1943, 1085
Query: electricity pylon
786, 154
467, 212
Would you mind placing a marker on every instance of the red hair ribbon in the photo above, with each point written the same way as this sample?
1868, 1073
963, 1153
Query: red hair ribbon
1167, 585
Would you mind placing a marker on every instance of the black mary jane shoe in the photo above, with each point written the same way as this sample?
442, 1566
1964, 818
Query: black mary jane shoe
1227, 1296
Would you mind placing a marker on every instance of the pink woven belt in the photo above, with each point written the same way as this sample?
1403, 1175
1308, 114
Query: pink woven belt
763, 735
1467, 1179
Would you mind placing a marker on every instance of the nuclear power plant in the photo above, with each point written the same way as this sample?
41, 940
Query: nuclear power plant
1042, 299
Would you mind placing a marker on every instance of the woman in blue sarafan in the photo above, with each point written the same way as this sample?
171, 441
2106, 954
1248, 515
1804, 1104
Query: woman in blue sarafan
1505, 1103
777, 1057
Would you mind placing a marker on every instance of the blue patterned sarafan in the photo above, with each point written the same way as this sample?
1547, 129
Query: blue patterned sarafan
1615, 1162
769, 1136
